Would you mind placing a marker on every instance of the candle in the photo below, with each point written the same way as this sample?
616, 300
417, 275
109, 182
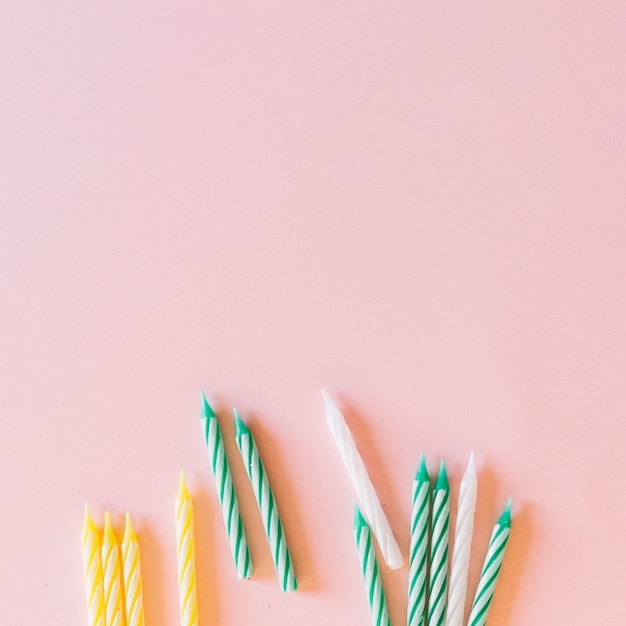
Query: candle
491, 569
369, 567
112, 582
365, 490
462, 545
92, 563
186, 556
226, 491
132, 576
439, 550
267, 505
418, 559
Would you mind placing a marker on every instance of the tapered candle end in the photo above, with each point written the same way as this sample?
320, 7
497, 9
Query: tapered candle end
505, 518
207, 411
240, 427
470, 473
183, 492
88, 523
332, 412
109, 535
129, 531
442, 479
359, 520
422, 471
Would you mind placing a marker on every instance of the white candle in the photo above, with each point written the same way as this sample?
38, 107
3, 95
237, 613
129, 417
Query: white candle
370, 503
462, 546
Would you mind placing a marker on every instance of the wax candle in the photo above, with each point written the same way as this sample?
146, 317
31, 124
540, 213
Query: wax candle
112, 581
92, 563
418, 559
368, 499
439, 550
186, 556
462, 545
267, 505
133, 592
369, 568
491, 569
226, 491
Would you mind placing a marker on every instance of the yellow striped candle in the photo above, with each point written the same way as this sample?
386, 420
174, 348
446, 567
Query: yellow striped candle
92, 562
132, 576
186, 556
112, 582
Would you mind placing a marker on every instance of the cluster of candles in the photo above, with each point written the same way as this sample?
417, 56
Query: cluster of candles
114, 590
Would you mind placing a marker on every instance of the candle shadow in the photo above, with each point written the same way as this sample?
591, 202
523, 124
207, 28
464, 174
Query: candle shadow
285, 496
206, 559
394, 581
152, 575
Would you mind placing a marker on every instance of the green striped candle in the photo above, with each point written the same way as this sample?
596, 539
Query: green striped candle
226, 491
369, 567
418, 557
491, 569
439, 550
267, 505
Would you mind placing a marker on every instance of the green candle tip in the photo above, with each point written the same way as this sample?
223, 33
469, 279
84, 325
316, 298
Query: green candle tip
359, 520
422, 471
207, 411
505, 518
240, 427
442, 479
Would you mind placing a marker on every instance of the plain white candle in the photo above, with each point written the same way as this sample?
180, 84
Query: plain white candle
370, 504
462, 545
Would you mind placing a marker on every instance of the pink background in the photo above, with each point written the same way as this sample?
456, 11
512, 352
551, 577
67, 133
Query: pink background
419, 204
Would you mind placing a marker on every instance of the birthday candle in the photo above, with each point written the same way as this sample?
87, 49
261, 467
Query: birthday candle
186, 556
418, 558
439, 550
92, 563
112, 575
360, 479
226, 491
462, 546
132, 576
369, 567
491, 569
267, 505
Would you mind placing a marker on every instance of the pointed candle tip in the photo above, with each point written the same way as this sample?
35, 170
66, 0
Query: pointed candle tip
129, 531
422, 471
359, 520
207, 410
109, 535
505, 518
240, 427
183, 492
88, 523
442, 479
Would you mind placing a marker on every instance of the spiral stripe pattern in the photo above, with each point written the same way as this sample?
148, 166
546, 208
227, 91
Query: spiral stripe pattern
112, 584
92, 563
462, 546
226, 492
267, 506
186, 556
418, 559
366, 494
369, 568
491, 569
133, 591
439, 551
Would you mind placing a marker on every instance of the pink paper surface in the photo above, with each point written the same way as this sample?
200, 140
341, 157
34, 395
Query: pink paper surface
419, 205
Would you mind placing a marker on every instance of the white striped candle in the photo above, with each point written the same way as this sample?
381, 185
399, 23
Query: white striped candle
133, 589
418, 559
267, 505
369, 568
111, 575
462, 546
92, 563
491, 569
368, 499
226, 491
439, 550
